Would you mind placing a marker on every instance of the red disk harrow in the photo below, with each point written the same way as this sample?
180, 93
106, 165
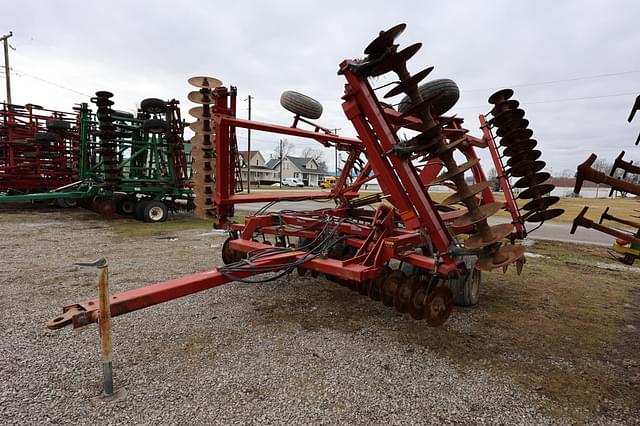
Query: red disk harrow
39, 148
626, 248
397, 246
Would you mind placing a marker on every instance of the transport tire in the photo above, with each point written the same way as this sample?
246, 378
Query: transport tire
447, 90
155, 211
153, 106
466, 289
67, 203
58, 125
47, 137
126, 204
300, 104
155, 125
138, 213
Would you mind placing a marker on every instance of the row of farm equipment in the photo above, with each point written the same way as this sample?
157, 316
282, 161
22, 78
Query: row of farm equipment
105, 160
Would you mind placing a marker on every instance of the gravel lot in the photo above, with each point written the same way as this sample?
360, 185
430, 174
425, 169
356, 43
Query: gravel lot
298, 350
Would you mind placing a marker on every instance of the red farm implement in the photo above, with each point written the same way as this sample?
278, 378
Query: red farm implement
39, 148
397, 246
626, 248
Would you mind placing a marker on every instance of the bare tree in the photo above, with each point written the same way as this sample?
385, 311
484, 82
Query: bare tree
316, 154
287, 148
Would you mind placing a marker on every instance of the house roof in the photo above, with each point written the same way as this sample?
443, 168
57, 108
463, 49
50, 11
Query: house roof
301, 164
243, 154
272, 163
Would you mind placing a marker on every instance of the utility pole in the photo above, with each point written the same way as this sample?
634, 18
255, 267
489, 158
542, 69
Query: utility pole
7, 70
280, 163
249, 149
335, 131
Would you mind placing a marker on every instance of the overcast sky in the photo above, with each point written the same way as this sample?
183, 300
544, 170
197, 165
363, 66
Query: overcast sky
149, 49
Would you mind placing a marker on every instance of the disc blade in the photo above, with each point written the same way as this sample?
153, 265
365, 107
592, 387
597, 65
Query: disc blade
496, 233
205, 82
500, 96
384, 40
412, 81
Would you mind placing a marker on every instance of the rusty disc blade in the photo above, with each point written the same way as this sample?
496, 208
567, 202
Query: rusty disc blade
384, 40
446, 147
543, 203
515, 136
531, 155
536, 191
506, 116
484, 212
505, 255
544, 215
496, 233
504, 106
198, 112
411, 82
457, 171
438, 305
520, 147
532, 180
392, 62
501, 96
520, 123
417, 302
469, 192
402, 296
198, 97
205, 82
389, 286
203, 127
526, 167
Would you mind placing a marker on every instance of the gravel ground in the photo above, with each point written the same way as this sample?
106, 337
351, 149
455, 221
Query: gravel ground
298, 350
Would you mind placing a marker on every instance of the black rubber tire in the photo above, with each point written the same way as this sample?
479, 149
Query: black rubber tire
138, 213
155, 211
58, 125
122, 114
47, 137
446, 88
153, 105
126, 204
466, 289
67, 203
300, 104
155, 125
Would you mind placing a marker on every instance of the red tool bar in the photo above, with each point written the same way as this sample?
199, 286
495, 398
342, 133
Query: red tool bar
85, 313
292, 131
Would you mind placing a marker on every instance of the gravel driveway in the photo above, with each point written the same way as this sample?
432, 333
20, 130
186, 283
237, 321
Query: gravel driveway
298, 350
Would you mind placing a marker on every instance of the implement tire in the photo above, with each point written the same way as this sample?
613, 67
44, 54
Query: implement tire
446, 89
301, 105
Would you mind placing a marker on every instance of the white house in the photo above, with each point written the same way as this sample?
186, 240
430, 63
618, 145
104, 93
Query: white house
260, 173
303, 168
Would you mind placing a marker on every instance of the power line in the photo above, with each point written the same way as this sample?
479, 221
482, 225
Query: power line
25, 74
543, 83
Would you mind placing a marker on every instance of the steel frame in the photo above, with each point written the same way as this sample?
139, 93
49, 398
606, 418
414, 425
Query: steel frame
410, 221
28, 164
